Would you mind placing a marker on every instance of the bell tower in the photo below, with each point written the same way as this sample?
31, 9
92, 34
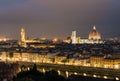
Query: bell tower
22, 39
73, 37
22, 34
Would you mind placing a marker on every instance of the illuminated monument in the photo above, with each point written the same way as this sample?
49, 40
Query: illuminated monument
73, 37
23, 40
94, 36
22, 34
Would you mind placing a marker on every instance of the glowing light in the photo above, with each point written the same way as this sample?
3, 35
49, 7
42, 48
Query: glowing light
105, 66
94, 76
95, 65
55, 40
75, 73
28, 68
117, 78
105, 77
43, 38
66, 41
116, 66
43, 70
84, 74
20, 70
4, 39
67, 74
59, 72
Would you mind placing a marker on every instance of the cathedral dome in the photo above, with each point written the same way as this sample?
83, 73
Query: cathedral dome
94, 34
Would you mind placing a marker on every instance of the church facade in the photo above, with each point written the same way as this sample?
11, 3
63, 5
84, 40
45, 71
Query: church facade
94, 37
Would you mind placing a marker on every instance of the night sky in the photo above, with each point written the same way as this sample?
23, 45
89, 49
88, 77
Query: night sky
58, 18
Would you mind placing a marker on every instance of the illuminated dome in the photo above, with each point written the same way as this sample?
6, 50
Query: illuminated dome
94, 34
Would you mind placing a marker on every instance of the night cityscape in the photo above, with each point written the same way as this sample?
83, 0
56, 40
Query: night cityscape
60, 40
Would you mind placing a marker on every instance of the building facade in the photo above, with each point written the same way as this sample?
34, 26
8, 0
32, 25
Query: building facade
94, 37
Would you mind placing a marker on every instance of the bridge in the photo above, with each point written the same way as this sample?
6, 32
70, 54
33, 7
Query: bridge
67, 70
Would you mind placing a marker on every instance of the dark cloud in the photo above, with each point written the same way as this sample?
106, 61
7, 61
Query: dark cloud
57, 18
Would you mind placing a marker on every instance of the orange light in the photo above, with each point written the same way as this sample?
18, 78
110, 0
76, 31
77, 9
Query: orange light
55, 40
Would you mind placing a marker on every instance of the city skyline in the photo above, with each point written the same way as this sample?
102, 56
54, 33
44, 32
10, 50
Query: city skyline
58, 18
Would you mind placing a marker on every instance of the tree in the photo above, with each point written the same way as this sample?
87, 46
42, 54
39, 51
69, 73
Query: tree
34, 75
23, 79
53, 76
35, 67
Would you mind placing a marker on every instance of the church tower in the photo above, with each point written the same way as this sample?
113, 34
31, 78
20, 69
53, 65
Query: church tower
73, 37
22, 34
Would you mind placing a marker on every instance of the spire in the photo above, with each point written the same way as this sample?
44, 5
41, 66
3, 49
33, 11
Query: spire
94, 28
22, 28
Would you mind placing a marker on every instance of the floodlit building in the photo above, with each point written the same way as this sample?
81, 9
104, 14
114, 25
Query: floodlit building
97, 60
22, 34
103, 61
78, 40
73, 37
94, 36
23, 40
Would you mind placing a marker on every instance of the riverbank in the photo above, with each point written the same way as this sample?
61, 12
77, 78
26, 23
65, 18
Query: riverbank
80, 70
